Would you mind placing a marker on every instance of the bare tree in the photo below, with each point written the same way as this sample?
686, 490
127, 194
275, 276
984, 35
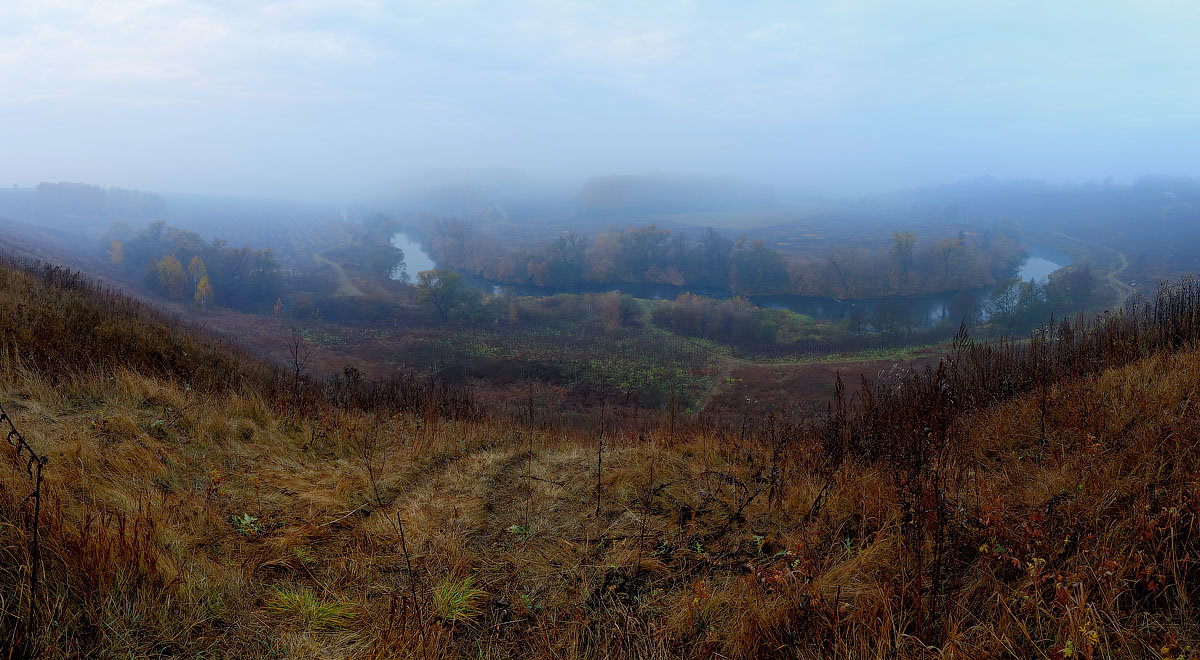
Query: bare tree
300, 354
368, 447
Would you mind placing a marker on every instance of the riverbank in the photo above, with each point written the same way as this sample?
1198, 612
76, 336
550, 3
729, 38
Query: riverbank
871, 314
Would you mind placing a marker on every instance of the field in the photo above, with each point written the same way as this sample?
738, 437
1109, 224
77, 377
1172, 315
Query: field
199, 504
576, 371
757, 390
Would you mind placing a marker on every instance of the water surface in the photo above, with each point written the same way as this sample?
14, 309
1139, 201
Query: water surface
416, 259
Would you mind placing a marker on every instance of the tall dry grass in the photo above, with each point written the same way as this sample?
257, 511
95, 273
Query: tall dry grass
1034, 499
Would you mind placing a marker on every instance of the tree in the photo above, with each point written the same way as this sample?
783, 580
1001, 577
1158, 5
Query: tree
171, 278
383, 259
265, 282
380, 227
902, 249
116, 252
204, 293
439, 291
299, 351
196, 270
1073, 287
641, 248
564, 262
946, 249
1005, 302
758, 270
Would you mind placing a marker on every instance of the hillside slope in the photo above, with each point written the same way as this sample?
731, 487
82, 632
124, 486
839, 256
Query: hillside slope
195, 506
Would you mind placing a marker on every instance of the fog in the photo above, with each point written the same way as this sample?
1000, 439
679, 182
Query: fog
340, 100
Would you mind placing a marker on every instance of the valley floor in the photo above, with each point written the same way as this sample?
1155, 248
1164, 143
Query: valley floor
184, 525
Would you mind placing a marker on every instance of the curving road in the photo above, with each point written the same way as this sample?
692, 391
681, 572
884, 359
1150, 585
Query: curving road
346, 287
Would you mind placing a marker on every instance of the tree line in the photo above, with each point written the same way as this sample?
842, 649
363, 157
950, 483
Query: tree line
73, 205
652, 255
181, 265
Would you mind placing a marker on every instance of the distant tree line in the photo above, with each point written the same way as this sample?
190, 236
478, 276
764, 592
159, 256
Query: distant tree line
447, 298
181, 265
93, 201
75, 204
648, 254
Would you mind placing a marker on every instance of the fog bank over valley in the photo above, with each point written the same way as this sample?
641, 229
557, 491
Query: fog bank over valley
333, 102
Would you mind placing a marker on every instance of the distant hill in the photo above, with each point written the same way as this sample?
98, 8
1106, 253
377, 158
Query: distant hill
495, 195
632, 195
988, 198
79, 206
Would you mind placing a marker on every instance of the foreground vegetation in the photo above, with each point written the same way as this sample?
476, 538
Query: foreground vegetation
1037, 499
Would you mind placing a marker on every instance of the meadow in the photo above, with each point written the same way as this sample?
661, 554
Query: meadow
1027, 499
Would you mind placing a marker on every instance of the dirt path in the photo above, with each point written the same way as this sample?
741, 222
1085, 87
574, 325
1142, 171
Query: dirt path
346, 287
1123, 290
499, 493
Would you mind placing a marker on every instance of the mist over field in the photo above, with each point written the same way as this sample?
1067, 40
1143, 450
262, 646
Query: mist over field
377, 329
337, 101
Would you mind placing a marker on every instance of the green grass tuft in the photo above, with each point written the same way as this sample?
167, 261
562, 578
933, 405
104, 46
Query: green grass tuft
457, 600
304, 606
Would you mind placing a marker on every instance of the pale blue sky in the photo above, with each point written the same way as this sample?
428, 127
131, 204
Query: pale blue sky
313, 96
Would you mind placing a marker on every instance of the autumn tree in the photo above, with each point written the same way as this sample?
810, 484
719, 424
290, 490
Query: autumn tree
171, 278
196, 270
383, 258
758, 269
439, 291
903, 244
204, 293
946, 249
116, 252
565, 261
240, 277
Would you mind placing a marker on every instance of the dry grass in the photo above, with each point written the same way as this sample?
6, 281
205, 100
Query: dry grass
181, 523
1087, 543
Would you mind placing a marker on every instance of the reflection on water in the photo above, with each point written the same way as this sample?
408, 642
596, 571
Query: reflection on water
1037, 269
871, 314
416, 259
907, 312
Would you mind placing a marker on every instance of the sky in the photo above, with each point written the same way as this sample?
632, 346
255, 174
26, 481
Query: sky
314, 97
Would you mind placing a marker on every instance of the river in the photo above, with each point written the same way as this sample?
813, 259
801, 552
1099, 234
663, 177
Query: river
879, 313
416, 259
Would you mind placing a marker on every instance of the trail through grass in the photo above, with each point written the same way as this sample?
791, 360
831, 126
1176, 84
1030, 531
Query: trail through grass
346, 287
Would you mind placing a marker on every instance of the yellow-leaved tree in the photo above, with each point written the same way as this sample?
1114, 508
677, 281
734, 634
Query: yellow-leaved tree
171, 277
196, 269
204, 293
116, 252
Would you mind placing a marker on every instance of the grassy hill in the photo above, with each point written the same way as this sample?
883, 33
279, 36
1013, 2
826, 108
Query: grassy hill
1034, 499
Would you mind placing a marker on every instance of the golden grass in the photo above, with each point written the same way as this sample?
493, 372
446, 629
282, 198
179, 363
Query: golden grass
646, 577
1084, 545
